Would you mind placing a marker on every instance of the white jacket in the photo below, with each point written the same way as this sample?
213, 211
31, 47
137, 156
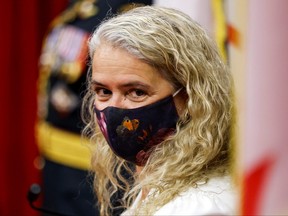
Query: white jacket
216, 197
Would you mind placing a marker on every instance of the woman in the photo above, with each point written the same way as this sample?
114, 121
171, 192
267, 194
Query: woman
161, 96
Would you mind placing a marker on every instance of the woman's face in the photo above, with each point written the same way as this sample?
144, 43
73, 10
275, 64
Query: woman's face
120, 80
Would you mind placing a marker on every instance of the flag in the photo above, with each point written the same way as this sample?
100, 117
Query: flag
258, 53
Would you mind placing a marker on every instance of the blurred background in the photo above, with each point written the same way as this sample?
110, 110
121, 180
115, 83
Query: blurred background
252, 36
24, 24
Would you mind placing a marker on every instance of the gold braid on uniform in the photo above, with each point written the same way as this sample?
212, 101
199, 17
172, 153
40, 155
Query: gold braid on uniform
53, 142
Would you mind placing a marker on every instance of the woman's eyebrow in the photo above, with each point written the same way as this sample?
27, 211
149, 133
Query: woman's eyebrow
125, 85
135, 84
94, 82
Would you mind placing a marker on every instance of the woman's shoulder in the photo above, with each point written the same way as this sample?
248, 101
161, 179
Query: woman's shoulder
216, 197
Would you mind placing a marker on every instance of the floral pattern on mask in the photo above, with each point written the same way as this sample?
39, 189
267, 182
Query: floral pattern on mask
127, 127
102, 122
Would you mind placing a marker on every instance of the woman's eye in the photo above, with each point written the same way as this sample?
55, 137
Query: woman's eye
137, 95
102, 93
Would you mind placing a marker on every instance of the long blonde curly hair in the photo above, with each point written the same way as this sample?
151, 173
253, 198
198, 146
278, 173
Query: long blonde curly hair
183, 53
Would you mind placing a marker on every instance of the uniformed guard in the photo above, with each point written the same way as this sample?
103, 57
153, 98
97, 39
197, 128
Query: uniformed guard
66, 185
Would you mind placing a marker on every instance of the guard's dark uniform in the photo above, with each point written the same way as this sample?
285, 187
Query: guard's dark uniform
66, 185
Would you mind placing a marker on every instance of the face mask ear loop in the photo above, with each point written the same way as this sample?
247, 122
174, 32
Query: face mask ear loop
177, 92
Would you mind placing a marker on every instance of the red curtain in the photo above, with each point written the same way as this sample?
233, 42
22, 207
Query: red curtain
23, 25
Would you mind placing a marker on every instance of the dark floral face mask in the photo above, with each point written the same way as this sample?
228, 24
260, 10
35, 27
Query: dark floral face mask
131, 133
